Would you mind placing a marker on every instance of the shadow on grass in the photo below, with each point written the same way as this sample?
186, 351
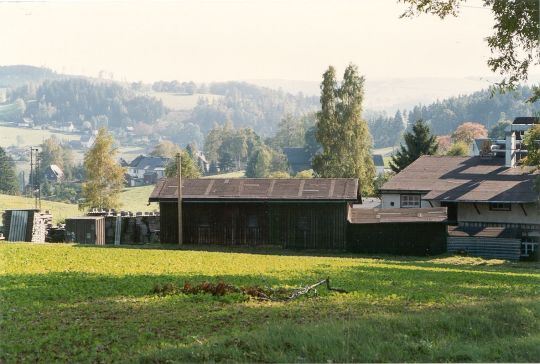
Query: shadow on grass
394, 312
447, 260
494, 332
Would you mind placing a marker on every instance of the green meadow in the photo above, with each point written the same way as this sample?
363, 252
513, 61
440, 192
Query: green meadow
73, 303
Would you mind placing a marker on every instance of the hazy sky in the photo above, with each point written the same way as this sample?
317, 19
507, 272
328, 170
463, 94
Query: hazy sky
211, 40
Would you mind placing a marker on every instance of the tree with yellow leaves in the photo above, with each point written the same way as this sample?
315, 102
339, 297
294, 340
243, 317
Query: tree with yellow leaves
104, 176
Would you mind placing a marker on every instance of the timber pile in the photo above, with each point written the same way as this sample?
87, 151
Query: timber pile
41, 222
380, 215
56, 234
29, 225
259, 293
124, 227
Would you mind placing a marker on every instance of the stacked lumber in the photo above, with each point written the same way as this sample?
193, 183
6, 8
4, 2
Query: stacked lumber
30, 225
125, 227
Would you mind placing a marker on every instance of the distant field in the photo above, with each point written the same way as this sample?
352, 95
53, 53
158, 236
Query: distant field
88, 304
8, 136
9, 110
176, 101
384, 151
59, 210
136, 199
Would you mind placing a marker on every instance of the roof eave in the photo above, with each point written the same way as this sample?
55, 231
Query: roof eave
244, 199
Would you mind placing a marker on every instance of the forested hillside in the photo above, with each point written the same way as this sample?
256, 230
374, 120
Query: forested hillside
45, 96
250, 106
77, 100
18, 75
446, 115
480, 107
49, 97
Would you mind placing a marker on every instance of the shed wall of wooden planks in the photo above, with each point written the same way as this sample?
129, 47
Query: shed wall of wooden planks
298, 225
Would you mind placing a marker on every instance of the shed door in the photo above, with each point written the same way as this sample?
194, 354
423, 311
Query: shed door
230, 223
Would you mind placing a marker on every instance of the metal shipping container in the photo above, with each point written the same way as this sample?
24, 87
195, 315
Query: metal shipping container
86, 230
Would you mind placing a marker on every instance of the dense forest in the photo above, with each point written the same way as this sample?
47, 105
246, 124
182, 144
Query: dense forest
78, 100
481, 107
247, 105
18, 75
446, 115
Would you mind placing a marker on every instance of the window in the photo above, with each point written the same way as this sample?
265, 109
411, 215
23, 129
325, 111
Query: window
410, 201
528, 248
252, 221
498, 206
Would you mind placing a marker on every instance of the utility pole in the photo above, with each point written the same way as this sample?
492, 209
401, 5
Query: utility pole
31, 178
35, 187
179, 175
38, 196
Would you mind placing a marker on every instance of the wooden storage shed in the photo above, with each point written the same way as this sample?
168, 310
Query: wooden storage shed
86, 230
413, 231
294, 213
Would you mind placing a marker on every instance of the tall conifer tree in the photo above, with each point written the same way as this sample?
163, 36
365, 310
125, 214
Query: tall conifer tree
342, 132
417, 143
8, 178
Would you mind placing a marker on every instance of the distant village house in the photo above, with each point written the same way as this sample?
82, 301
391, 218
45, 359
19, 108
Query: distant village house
145, 170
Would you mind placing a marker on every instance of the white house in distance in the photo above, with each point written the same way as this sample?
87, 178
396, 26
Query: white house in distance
488, 196
145, 170
88, 140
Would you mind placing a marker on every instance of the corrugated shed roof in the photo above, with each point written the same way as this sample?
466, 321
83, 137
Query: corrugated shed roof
258, 189
465, 179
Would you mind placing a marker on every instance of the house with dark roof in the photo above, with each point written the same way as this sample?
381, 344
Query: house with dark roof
293, 213
53, 173
145, 170
87, 140
478, 192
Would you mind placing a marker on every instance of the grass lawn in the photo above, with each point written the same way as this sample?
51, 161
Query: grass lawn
69, 303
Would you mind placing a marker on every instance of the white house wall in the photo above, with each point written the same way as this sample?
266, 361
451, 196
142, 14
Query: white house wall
467, 213
388, 198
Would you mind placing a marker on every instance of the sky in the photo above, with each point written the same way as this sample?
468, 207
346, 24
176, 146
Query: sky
218, 40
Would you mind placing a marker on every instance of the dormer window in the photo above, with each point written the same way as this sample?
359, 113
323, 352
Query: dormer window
410, 201
499, 206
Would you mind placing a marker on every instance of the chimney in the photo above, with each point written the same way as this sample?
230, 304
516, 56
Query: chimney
510, 149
